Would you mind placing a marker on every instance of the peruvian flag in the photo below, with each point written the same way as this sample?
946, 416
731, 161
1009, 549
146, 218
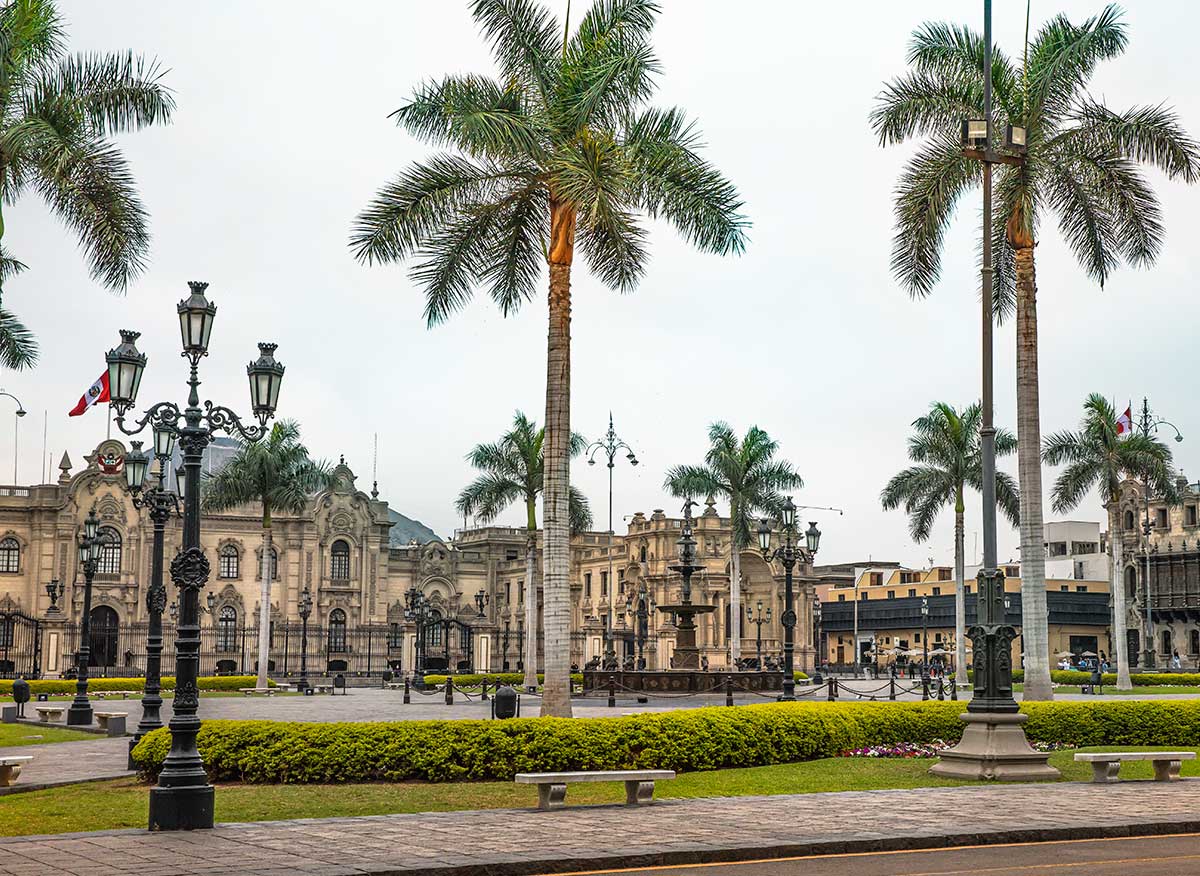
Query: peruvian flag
97, 392
1125, 421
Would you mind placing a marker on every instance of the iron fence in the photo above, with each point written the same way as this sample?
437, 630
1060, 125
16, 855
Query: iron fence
20, 645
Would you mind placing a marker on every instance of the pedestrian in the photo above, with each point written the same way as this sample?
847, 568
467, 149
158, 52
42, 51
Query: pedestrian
1176, 663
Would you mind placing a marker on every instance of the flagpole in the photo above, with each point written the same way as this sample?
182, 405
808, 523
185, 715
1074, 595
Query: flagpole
108, 422
45, 432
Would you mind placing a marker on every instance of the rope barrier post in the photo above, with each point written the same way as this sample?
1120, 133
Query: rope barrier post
484, 696
892, 688
942, 689
924, 687
407, 698
449, 690
612, 691
954, 692
830, 693
729, 690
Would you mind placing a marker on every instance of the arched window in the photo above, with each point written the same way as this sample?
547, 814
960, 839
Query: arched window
229, 562
434, 628
227, 628
1194, 642
642, 554
337, 630
1166, 643
110, 552
1129, 522
1131, 583
102, 636
10, 555
339, 561
272, 565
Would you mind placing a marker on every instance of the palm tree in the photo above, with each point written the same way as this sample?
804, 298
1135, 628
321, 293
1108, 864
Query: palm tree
945, 447
561, 146
1082, 165
57, 115
278, 473
513, 470
749, 477
1097, 456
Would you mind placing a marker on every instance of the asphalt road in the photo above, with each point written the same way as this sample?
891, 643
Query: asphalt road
1175, 855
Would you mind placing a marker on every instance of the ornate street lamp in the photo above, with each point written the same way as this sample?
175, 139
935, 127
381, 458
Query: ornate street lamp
80, 712
305, 609
787, 554
183, 798
161, 503
416, 609
55, 589
481, 601
925, 637
609, 446
758, 621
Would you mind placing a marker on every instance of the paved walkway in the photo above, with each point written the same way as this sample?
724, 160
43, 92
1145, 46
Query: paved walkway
510, 842
62, 763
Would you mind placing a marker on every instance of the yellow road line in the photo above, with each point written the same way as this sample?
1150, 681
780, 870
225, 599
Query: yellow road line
1102, 839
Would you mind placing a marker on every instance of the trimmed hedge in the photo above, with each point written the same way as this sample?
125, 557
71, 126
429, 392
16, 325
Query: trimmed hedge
685, 740
67, 685
1139, 679
468, 679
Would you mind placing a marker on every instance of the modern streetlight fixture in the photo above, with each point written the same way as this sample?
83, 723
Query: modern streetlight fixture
610, 445
305, 609
993, 744
80, 712
788, 553
162, 503
20, 412
183, 798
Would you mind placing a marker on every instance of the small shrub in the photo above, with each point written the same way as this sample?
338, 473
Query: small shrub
67, 685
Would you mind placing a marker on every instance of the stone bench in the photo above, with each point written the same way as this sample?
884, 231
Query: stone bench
1107, 765
260, 691
112, 723
552, 787
10, 768
48, 714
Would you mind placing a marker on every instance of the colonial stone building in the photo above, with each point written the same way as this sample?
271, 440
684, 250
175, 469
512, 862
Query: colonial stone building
338, 550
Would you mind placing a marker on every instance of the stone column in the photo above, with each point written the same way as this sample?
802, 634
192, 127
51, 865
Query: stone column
54, 641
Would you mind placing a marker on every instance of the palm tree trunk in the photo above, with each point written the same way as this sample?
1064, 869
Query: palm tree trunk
1034, 630
735, 590
556, 538
1118, 648
531, 612
264, 604
960, 597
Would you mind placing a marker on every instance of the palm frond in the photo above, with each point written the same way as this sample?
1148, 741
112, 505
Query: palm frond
18, 346
525, 40
115, 92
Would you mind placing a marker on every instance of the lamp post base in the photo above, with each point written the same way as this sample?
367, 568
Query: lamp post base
187, 808
994, 747
79, 715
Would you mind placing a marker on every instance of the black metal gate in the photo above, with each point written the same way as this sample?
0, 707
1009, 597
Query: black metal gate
447, 645
20, 645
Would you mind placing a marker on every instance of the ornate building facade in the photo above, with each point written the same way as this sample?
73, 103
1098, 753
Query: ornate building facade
338, 550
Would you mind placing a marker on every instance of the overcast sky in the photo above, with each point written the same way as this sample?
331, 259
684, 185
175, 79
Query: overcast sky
282, 135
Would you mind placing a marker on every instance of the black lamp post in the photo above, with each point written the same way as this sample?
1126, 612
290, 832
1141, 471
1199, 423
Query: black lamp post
55, 590
924, 636
639, 609
610, 445
788, 553
758, 621
416, 609
80, 712
305, 609
162, 503
504, 647
183, 798
520, 645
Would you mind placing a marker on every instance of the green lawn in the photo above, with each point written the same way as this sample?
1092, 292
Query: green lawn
26, 734
123, 803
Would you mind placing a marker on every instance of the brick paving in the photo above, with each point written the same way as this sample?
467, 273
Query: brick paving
512, 842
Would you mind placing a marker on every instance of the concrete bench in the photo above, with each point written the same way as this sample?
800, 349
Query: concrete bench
261, 691
48, 714
1107, 765
552, 787
112, 723
8, 713
322, 688
10, 768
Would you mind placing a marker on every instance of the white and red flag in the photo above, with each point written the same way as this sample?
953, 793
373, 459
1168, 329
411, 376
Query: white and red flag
97, 392
1125, 421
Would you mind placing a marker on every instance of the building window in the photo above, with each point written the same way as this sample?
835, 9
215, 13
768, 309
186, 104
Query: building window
1083, 547
520, 592
272, 565
110, 552
603, 585
1166, 642
1129, 521
1194, 642
912, 591
943, 574
642, 554
339, 561
862, 597
587, 586
227, 629
876, 579
8, 627
1081, 588
10, 555
967, 589
433, 628
395, 636
1065, 588
1058, 548
510, 554
1160, 519
337, 631
891, 594
1012, 571
620, 580
1189, 515
1131, 583
507, 592
841, 597
229, 561
937, 591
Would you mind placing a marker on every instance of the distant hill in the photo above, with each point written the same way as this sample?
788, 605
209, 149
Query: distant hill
405, 530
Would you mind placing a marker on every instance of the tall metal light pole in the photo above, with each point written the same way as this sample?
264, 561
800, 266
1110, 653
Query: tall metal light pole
610, 445
924, 637
183, 798
20, 412
305, 609
1148, 424
993, 743
788, 553
80, 712
162, 503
